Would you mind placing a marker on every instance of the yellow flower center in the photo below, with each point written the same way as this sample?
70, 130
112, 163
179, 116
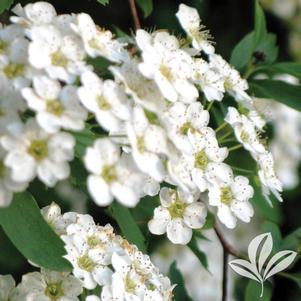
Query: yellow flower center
130, 285
109, 173
166, 72
201, 160
176, 209
140, 144
184, 128
54, 291
102, 103
13, 70
59, 59
86, 263
38, 149
226, 195
244, 136
93, 241
54, 106
3, 46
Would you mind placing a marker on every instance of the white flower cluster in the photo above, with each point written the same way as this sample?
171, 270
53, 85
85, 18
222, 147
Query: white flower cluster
100, 259
149, 105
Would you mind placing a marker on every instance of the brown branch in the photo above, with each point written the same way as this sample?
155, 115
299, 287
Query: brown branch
227, 250
226, 246
225, 275
135, 14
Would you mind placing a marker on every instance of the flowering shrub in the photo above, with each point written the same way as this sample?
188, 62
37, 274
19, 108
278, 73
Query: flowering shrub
152, 122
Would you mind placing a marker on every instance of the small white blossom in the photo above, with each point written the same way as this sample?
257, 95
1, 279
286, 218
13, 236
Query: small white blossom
178, 214
232, 200
56, 220
191, 23
180, 119
61, 56
233, 83
34, 14
211, 82
31, 151
7, 185
143, 91
168, 65
14, 58
8, 288
112, 174
245, 131
105, 99
56, 107
49, 286
267, 176
98, 41
149, 144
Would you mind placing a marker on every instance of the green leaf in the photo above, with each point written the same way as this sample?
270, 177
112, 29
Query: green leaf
5, 4
293, 69
268, 47
293, 241
243, 51
33, 237
103, 2
146, 6
260, 25
254, 289
277, 90
276, 234
127, 225
193, 246
175, 276
83, 139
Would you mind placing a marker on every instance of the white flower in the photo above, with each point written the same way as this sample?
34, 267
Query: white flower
105, 99
149, 144
89, 264
34, 14
245, 131
56, 107
7, 288
14, 55
233, 83
178, 214
32, 151
143, 91
98, 41
49, 286
56, 220
206, 154
191, 23
232, 200
135, 280
61, 56
112, 174
168, 65
11, 104
180, 119
7, 184
267, 176
211, 82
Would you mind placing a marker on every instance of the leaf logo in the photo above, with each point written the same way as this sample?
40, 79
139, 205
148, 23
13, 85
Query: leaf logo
258, 267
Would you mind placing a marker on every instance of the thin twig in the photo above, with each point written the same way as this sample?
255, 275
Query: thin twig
227, 249
225, 275
135, 14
